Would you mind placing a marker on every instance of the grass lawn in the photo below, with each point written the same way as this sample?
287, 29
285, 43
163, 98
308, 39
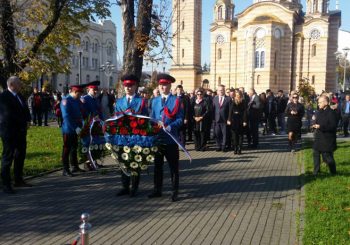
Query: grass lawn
44, 148
327, 199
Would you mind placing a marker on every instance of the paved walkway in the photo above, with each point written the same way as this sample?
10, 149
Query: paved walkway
224, 199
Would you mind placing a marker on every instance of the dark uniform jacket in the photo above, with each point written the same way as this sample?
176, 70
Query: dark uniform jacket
14, 116
325, 136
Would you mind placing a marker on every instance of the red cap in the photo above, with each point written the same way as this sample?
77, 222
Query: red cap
93, 85
77, 88
129, 83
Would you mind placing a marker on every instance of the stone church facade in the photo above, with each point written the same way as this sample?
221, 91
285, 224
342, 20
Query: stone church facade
271, 44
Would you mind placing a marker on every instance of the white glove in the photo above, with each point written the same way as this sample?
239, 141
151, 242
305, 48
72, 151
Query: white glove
168, 128
78, 130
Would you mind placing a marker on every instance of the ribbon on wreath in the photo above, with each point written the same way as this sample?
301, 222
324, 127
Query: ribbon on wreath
91, 159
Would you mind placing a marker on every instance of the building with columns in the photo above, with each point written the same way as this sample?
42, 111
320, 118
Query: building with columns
98, 46
271, 44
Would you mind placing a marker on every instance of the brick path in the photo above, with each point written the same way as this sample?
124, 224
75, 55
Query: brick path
224, 199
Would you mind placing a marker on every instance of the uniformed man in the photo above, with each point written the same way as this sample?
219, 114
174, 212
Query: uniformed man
135, 104
92, 106
168, 109
71, 108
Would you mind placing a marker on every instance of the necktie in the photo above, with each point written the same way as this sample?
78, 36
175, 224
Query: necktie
221, 99
20, 101
128, 101
163, 101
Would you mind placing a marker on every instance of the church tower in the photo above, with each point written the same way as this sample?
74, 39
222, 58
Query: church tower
314, 7
187, 40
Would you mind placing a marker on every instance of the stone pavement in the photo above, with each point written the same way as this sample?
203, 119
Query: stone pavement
253, 198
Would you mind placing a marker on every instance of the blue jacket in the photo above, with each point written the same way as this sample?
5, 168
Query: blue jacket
71, 114
92, 106
137, 106
171, 114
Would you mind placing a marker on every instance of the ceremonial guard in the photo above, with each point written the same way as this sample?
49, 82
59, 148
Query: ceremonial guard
168, 109
71, 108
134, 104
92, 106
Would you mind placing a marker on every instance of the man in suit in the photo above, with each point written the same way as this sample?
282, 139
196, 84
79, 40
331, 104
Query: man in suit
168, 109
187, 113
71, 108
345, 113
14, 121
254, 116
135, 104
221, 105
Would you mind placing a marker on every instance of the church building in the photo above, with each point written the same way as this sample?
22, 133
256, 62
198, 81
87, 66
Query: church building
271, 44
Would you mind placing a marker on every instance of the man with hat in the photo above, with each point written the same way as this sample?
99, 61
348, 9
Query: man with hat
71, 107
91, 104
135, 104
168, 109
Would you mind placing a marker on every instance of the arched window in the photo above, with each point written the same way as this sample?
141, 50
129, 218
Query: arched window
220, 13
257, 79
183, 53
219, 81
262, 59
219, 54
313, 80
313, 50
183, 25
257, 58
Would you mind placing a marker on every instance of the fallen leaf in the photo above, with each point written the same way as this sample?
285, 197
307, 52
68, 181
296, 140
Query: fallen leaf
347, 209
233, 215
323, 208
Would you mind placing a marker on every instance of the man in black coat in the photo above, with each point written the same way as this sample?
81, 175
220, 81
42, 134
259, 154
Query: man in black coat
253, 111
14, 121
325, 142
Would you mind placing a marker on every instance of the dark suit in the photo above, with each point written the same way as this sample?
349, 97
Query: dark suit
253, 118
345, 117
220, 117
14, 117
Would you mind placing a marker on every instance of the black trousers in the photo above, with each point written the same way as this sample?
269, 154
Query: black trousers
171, 153
221, 134
135, 180
37, 116
327, 157
237, 139
346, 124
254, 131
69, 152
200, 139
14, 150
45, 115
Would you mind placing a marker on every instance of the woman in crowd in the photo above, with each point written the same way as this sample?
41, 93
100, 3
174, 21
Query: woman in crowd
57, 108
237, 119
200, 116
295, 112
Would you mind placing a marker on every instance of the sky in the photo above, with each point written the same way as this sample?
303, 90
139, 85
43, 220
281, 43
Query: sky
207, 18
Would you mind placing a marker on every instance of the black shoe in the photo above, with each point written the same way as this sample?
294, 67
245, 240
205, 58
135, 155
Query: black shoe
77, 169
202, 149
225, 150
67, 173
239, 152
174, 197
235, 152
123, 192
154, 195
8, 190
22, 184
218, 149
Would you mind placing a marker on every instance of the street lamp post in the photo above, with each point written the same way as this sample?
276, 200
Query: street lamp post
343, 62
80, 52
107, 68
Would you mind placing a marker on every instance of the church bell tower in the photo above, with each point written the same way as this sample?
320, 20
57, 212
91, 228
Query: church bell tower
186, 51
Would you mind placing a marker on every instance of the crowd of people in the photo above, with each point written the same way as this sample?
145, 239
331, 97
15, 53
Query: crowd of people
229, 116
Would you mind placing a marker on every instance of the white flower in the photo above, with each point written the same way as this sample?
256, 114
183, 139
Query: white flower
137, 149
138, 158
154, 149
115, 148
108, 146
150, 158
84, 150
114, 156
146, 151
91, 147
125, 156
101, 147
134, 165
96, 147
126, 149
144, 167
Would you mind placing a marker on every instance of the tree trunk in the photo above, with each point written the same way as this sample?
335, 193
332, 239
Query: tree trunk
136, 38
8, 66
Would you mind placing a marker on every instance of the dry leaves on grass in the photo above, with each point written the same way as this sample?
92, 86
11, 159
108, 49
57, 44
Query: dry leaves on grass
323, 209
347, 209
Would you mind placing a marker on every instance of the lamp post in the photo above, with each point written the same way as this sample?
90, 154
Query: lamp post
343, 62
80, 52
107, 68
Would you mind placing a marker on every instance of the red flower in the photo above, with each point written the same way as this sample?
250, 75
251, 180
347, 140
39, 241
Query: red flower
113, 130
133, 124
141, 121
131, 118
111, 123
135, 131
120, 123
123, 131
143, 132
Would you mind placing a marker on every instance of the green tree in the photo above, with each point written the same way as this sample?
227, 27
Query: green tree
48, 28
305, 89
